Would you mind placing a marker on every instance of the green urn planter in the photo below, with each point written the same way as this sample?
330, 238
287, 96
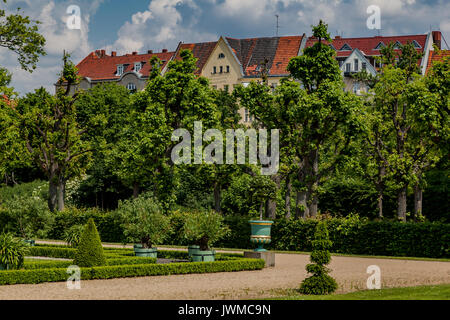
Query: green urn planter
139, 251
260, 233
4, 267
32, 243
192, 250
204, 256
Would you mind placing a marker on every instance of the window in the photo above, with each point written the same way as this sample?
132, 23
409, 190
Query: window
226, 88
214, 70
341, 62
137, 66
228, 69
248, 116
120, 70
379, 46
221, 69
132, 87
221, 56
416, 45
348, 67
356, 65
356, 87
274, 87
346, 47
364, 65
397, 45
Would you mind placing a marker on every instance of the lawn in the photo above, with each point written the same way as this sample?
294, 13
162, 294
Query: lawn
436, 292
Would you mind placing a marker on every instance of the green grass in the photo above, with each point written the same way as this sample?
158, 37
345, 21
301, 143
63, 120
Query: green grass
436, 292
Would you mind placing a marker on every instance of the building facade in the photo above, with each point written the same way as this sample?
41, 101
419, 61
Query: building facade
229, 61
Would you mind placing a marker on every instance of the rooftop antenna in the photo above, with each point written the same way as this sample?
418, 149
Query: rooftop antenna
278, 25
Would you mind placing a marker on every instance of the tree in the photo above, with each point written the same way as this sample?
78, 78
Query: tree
319, 282
90, 250
406, 112
19, 34
52, 136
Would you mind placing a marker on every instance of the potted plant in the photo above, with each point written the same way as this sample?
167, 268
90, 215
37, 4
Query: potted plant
144, 224
204, 229
12, 252
262, 189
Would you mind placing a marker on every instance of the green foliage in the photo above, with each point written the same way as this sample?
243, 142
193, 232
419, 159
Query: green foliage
204, 228
144, 221
20, 35
12, 251
24, 211
319, 282
73, 235
90, 251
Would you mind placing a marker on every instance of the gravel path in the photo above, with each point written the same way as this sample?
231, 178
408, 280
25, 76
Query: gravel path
288, 273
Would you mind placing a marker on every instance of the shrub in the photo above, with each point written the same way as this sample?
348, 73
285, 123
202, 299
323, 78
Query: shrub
90, 251
122, 271
12, 251
205, 228
73, 235
320, 282
144, 221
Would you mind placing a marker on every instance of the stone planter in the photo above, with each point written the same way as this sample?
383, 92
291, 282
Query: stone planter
192, 250
260, 234
204, 256
139, 251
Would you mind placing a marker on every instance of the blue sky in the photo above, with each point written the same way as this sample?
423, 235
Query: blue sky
139, 25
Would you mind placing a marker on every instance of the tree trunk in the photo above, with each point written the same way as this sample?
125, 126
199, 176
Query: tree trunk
287, 197
313, 196
217, 197
261, 207
61, 193
401, 204
52, 194
301, 205
417, 200
380, 205
136, 190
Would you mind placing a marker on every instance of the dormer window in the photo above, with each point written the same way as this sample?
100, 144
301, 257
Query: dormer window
120, 69
221, 56
346, 47
332, 47
416, 45
380, 46
137, 66
397, 45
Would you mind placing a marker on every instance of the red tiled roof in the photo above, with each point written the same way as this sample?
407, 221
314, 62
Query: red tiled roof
201, 51
436, 56
367, 45
277, 50
100, 66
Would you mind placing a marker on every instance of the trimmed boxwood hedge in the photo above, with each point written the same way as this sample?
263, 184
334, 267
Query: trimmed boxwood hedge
30, 265
383, 238
124, 271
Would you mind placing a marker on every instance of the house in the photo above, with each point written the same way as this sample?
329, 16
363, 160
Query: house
231, 61
130, 70
436, 56
357, 54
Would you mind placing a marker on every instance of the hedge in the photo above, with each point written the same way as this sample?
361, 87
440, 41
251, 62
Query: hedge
384, 238
124, 271
29, 265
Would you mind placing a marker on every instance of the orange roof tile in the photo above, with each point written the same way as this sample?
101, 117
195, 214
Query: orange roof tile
436, 56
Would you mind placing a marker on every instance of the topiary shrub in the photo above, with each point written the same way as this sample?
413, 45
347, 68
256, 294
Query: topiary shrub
320, 282
90, 251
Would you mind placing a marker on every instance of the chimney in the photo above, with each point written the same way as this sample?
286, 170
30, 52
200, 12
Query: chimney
164, 50
134, 53
103, 52
150, 51
437, 38
113, 54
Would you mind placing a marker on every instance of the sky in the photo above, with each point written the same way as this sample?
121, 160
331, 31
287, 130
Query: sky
140, 25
